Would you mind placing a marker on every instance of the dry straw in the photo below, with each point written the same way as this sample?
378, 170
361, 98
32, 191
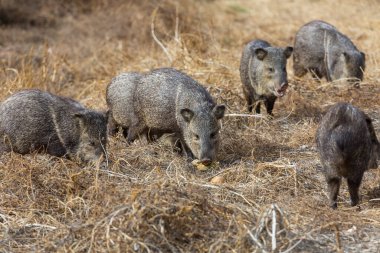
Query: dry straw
270, 195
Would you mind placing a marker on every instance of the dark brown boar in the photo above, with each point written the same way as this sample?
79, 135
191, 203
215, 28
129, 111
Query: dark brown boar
348, 146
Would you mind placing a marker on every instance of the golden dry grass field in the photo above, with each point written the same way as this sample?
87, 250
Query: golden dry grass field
271, 195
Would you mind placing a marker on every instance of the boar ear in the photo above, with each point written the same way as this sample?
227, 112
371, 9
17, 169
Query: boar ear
80, 116
288, 52
261, 53
187, 114
371, 130
219, 111
363, 55
368, 120
107, 114
346, 56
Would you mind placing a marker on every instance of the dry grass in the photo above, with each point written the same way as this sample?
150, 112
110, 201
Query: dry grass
150, 199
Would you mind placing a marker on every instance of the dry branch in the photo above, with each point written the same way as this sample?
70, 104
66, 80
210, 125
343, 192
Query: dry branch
170, 58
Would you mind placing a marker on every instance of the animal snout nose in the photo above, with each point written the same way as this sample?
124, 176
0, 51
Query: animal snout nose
283, 87
206, 161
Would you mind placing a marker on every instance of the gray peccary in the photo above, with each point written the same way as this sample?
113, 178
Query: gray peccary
167, 101
34, 120
348, 146
118, 96
263, 74
321, 49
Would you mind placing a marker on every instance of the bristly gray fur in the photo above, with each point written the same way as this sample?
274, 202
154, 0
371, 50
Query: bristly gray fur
321, 49
166, 101
347, 145
263, 73
34, 120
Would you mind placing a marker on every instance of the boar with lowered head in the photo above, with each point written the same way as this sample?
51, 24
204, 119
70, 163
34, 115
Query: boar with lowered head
321, 49
263, 74
34, 120
167, 101
348, 146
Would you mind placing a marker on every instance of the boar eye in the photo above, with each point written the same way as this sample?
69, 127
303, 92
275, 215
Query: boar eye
92, 143
270, 69
196, 137
213, 135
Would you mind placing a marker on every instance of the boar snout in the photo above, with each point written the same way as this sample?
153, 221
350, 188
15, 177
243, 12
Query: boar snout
280, 92
206, 161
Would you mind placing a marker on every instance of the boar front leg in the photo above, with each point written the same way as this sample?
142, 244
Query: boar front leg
135, 130
269, 104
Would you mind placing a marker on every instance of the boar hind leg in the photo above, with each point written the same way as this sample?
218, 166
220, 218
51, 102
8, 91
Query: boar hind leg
299, 71
257, 107
249, 99
3, 148
333, 184
269, 104
58, 151
134, 131
5, 145
112, 126
56, 148
353, 188
316, 74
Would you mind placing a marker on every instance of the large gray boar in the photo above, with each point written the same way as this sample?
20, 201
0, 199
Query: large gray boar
348, 146
263, 74
167, 101
34, 120
321, 49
